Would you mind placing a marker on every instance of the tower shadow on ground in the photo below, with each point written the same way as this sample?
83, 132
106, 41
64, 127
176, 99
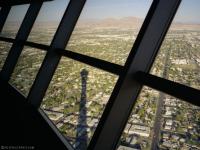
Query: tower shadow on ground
81, 134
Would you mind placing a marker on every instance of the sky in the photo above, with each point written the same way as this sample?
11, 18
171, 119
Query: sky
189, 10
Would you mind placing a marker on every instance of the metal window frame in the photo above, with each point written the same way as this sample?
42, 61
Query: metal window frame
125, 93
176, 89
132, 76
95, 62
26, 43
22, 36
52, 58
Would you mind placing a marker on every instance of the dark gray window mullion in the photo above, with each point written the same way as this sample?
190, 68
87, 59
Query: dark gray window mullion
126, 95
3, 15
52, 58
21, 37
172, 88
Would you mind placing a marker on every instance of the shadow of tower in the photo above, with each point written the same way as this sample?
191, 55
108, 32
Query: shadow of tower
81, 135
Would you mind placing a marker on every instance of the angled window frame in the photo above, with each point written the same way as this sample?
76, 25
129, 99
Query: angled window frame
132, 76
141, 58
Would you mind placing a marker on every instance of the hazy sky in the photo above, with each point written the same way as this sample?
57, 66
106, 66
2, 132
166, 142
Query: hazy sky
99, 9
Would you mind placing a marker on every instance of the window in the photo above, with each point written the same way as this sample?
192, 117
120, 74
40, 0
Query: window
45, 26
160, 120
76, 98
4, 49
26, 69
91, 73
138, 130
180, 50
14, 21
108, 34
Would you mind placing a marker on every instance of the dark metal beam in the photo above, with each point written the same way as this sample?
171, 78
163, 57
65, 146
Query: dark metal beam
13, 92
3, 15
175, 89
9, 40
26, 43
22, 35
126, 91
37, 45
95, 62
52, 58
4, 3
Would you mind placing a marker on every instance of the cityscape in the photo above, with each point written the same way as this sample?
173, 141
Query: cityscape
78, 93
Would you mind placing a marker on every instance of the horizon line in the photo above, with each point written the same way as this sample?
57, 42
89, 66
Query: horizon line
114, 18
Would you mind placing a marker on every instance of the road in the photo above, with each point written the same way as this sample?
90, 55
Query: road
160, 103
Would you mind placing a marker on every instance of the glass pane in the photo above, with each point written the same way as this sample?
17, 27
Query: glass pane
14, 20
26, 69
138, 131
179, 56
107, 28
76, 98
160, 121
4, 49
47, 21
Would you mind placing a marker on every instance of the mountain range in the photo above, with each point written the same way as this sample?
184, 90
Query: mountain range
125, 22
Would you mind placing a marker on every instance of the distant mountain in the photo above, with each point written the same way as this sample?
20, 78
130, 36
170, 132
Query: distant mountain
125, 22
185, 26
129, 22
132, 22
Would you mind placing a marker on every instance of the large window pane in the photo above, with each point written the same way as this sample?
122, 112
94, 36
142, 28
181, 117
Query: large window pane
138, 131
4, 49
179, 55
47, 21
76, 98
107, 29
160, 121
26, 69
14, 21
172, 124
